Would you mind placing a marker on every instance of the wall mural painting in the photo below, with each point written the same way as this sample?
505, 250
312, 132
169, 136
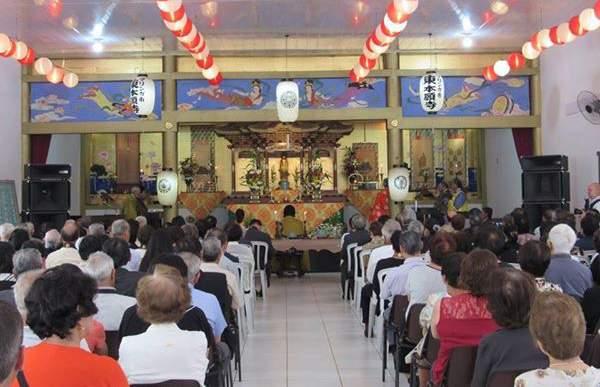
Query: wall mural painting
472, 96
248, 94
87, 102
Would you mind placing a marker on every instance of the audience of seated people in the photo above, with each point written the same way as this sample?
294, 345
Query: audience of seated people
190, 294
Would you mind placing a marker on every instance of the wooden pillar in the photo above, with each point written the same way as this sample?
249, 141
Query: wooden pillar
394, 132
170, 134
536, 83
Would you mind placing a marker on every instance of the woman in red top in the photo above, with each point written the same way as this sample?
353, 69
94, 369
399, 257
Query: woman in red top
60, 307
462, 320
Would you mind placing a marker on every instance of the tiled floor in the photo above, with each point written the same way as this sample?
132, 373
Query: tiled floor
305, 335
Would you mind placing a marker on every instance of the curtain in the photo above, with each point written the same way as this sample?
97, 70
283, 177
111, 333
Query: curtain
523, 141
40, 145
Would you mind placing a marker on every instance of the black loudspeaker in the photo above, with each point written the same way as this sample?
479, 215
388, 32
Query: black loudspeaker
546, 186
545, 163
536, 210
46, 195
47, 172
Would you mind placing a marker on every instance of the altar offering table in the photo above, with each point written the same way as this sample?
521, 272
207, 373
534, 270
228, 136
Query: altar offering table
319, 255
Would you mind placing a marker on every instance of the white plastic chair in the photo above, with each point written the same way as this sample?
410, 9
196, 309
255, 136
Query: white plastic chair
349, 257
360, 255
342, 239
242, 317
249, 292
372, 323
358, 278
261, 257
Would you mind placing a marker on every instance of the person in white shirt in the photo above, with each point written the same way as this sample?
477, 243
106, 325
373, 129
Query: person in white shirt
397, 278
234, 247
594, 196
67, 254
120, 229
212, 254
111, 306
164, 352
385, 251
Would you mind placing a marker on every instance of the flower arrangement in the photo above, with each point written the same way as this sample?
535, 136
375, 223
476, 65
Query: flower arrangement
350, 162
189, 168
253, 177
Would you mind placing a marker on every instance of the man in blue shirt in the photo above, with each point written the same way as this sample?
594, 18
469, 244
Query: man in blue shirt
573, 277
207, 302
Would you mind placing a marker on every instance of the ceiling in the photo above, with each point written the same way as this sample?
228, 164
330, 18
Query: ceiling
324, 25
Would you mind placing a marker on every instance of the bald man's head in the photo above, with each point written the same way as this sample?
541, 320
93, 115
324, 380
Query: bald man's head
594, 190
70, 233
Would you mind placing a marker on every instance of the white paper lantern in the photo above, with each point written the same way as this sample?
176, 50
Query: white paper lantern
20, 50
187, 39
43, 66
176, 26
394, 28
398, 184
499, 7
406, 6
5, 43
544, 38
501, 68
56, 75
166, 188
202, 54
360, 71
377, 49
564, 33
529, 51
211, 73
142, 95
288, 101
70, 80
588, 19
432, 92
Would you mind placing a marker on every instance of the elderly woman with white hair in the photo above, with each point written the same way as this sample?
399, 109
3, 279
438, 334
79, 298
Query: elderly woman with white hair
573, 277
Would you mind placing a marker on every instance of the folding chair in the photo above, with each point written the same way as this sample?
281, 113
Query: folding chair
504, 378
261, 257
170, 383
113, 343
459, 371
396, 322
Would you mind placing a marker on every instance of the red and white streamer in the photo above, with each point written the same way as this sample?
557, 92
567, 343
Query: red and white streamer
587, 21
393, 23
176, 20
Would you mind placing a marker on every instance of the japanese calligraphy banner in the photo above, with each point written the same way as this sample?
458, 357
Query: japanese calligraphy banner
471, 96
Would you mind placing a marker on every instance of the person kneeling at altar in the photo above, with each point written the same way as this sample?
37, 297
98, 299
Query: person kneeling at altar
291, 227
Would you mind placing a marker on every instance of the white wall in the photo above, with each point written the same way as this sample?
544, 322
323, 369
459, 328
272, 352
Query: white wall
565, 72
503, 171
66, 149
10, 111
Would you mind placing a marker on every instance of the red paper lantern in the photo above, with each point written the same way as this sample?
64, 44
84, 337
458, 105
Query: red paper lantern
489, 74
216, 80
354, 77
386, 31
205, 63
173, 16
187, 28
535, 41
554, 35
575, 26
29, 58
516, 60
367, 63
597, 9
395, 15
55, 8
194, 43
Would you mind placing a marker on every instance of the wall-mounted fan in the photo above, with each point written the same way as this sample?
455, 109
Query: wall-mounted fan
589, 106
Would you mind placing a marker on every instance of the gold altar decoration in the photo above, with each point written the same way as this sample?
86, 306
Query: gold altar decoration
201, 203
313, 214
363, 200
